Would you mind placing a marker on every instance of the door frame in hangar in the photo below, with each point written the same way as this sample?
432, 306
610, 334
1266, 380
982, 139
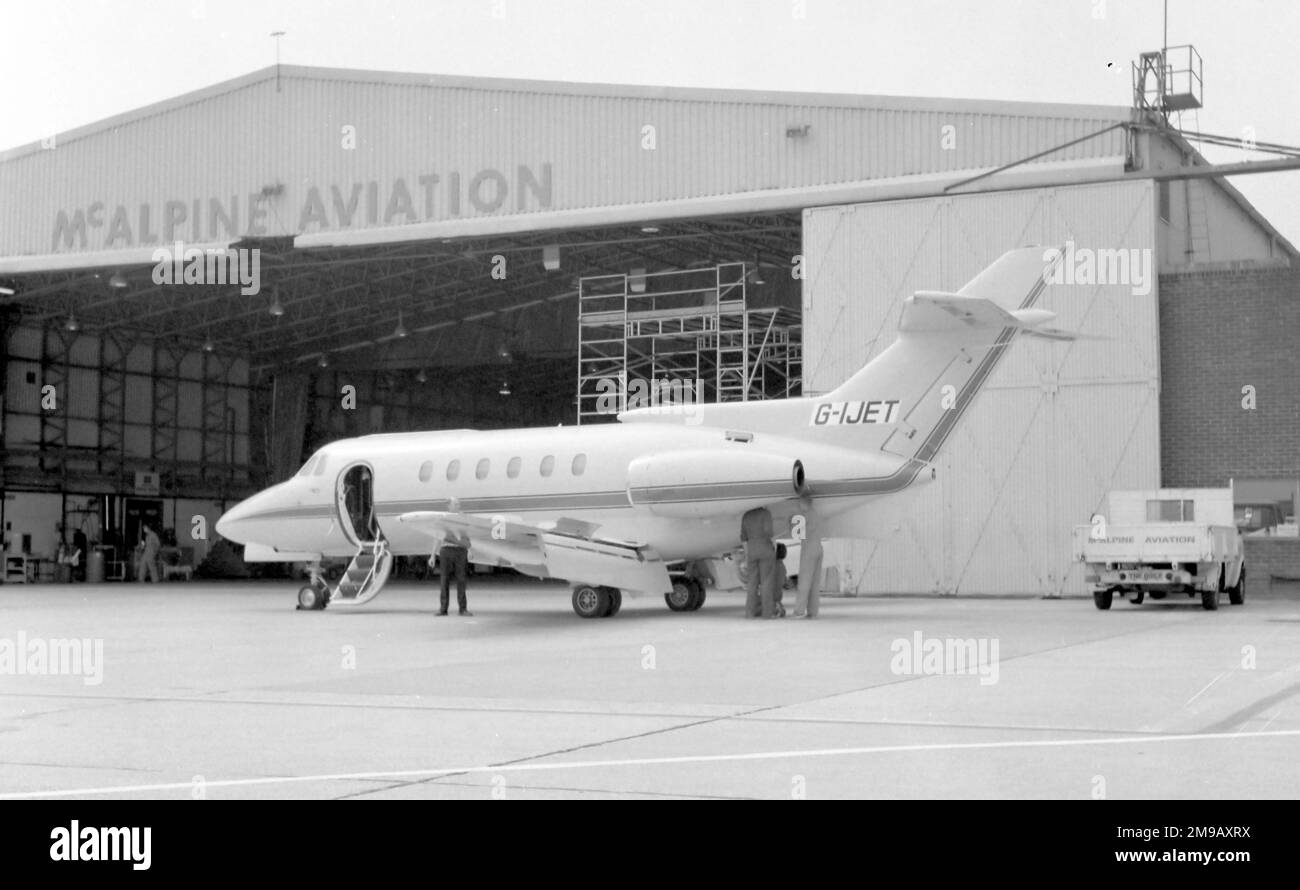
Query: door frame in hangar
1030, 460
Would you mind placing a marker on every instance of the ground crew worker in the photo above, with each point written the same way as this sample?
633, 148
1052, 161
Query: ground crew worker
780, 579
760, 563
454, 557
148, 561
808, 603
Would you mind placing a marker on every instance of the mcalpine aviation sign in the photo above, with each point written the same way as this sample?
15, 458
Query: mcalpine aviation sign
427, 197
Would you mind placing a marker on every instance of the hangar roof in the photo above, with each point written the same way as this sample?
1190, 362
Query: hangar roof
376, 197
329, 154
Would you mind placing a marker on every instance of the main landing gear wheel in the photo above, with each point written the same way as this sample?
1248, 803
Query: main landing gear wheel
590, 601
699, 595
1102, 598
312, 599
687, 595
615, 601
1237, 592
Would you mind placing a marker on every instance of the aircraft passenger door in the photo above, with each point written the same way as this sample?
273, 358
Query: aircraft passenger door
356, 504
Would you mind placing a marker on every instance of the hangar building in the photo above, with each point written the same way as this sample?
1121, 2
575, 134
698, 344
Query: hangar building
424, 242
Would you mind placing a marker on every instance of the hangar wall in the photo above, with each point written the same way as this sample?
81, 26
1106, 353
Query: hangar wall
1222, 330
1203, 221
84, 411
1056, 426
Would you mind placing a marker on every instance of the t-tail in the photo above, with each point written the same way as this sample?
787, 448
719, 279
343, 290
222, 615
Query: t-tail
910, 397
907, 400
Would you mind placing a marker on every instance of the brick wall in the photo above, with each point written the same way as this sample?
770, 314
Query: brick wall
1271, 558
1221, 330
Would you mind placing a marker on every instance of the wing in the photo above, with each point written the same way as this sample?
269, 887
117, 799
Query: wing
563, 548
439, 523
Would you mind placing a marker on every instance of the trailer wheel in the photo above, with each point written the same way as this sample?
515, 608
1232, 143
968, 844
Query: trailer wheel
1102, 598
1237, 592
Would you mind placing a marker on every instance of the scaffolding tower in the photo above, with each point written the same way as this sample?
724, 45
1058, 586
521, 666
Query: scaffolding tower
664, 338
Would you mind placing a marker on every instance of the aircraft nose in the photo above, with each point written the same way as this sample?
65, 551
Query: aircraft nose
229, 525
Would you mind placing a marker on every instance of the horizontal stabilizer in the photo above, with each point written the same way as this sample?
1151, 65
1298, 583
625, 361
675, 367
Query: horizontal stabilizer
940, 311
1058, 334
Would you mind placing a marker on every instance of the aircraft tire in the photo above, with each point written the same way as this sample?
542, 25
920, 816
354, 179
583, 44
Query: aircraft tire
590, 601
1101, 598
680, 598
311, 599
1139, 597
697, 596
615, 601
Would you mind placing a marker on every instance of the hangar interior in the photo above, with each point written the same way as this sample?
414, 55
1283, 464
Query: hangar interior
438, 252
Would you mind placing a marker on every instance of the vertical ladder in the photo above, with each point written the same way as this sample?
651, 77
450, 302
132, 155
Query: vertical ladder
1197, 215
1198, 223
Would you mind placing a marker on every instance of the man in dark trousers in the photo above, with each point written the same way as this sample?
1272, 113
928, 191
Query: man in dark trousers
454, 557
760, 564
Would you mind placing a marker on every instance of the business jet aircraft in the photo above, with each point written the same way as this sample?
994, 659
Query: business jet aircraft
609, 507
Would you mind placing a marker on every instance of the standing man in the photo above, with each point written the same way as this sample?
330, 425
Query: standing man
454, 557
148, 562
779, 579
808, 603
760, 563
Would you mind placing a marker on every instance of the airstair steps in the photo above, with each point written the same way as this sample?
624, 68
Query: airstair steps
365, 575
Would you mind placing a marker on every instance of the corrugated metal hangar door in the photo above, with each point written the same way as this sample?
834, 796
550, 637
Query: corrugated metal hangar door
1056, 426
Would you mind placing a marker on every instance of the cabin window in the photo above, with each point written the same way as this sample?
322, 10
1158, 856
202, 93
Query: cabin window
481, 471
579, 464
512, 468
453, 470
320, 466
426, 471
306, 468
548, 465
1170, 511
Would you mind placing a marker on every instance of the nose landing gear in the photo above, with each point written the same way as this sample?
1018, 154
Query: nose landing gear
315, 595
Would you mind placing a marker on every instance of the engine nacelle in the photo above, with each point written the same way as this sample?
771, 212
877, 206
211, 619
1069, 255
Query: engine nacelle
712, 482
